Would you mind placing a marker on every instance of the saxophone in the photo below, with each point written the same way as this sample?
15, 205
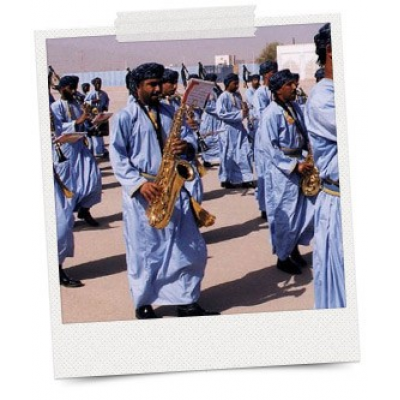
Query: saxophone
311, 182
171, 176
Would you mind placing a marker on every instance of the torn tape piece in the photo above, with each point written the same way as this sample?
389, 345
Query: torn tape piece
185, 24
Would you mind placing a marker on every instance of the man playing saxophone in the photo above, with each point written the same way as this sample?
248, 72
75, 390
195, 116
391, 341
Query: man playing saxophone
165, 266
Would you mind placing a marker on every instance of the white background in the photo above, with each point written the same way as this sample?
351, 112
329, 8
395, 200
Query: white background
370, 37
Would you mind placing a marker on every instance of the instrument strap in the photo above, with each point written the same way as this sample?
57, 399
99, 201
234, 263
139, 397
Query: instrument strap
154, 116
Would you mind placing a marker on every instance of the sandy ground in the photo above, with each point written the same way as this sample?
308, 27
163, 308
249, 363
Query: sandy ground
241, 274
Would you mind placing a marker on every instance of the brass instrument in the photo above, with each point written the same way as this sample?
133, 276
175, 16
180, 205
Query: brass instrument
171, 176
310, 181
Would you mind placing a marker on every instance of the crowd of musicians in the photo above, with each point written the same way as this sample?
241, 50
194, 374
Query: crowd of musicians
277, 133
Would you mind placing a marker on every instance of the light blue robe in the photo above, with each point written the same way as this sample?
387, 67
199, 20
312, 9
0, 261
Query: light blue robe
261, 100
86, 177
195, 187
328, 261
235, 152
165, 266
290, 213
210, 126
64, 213
98, 141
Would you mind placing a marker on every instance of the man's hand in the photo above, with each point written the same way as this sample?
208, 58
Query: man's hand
150, 191
303, 167
179, 147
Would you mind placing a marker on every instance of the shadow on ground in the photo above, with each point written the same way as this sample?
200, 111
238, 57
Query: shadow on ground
253, 289
98, 268
234, 231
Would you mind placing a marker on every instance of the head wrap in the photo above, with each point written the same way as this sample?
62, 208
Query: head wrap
85, 86
279, 79
268, 66
254, 76
66, 80
211, 77
231, 78
321, 40
170, 76
319, 73
147, 71
95, 80
296, 76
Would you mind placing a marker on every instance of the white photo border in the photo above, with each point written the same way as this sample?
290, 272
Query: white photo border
224, 342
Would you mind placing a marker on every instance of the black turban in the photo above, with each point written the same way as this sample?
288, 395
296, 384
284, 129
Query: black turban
170, 76
67, 80
147, 71
211, 77
254, 76
268, 66
231, 78
94, 80
279, 79
321, 40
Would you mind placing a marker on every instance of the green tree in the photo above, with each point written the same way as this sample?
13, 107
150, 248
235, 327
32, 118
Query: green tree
268, 53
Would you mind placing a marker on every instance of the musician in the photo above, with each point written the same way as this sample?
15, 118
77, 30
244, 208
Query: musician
328, 261
169, 96
301, 96
165, 266
85, 88
261, 99
283, 138
86, 179
235, 152
211, 125
252, 121
99, 100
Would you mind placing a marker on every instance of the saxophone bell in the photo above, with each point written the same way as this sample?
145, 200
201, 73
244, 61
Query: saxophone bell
311, 181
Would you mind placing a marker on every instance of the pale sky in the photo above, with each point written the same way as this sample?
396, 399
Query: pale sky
104, 53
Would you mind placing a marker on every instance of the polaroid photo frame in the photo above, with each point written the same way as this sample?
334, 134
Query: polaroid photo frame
239, 340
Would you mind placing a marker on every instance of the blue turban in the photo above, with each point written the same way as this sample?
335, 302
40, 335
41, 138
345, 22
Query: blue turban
321, 40
211, 77
147, 71
230, 78
268, 66
279, 79
170, 76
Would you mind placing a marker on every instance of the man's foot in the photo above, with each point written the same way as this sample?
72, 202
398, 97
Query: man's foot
66, 281
248, 185
146, 312
297, 258
193, 310
227, 185
264, 215
288, 266
84, 214
207, 164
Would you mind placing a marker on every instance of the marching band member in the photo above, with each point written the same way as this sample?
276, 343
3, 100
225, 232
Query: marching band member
165, 266
235, 152
328, 261
283, 137
86, 178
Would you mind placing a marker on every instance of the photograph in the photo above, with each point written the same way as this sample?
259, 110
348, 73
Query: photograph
258, 154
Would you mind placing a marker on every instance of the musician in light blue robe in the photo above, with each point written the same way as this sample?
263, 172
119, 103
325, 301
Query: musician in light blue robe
261, 99
211, 125
283, 139
99, 99
165, 266
86, 178
169, 96
328, 259
252, 123
235, 153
